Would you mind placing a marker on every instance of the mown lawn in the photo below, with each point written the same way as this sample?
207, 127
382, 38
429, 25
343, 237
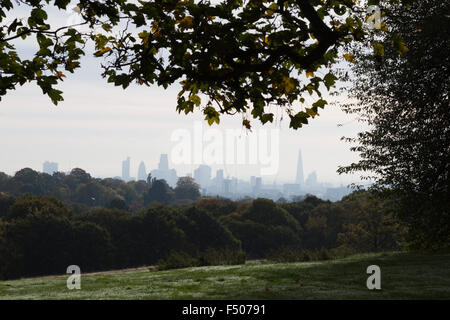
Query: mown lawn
403, 276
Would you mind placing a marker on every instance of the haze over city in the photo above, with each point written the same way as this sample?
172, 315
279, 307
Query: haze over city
97, 126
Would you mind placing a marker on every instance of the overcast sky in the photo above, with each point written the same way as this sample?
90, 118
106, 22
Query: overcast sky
99, 125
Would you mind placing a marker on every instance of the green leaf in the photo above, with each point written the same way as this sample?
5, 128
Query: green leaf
399, 44
195, 99
378, 48
329, 80
55, 96
267, 117
107, 27
211, 115
39, 15
320, 103
298, 120
340, 10
62, 4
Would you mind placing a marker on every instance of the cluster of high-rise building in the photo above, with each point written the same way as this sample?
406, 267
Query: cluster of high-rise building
163, 171
232, 187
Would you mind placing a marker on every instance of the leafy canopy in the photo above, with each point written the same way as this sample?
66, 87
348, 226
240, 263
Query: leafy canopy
406, 103
230, 57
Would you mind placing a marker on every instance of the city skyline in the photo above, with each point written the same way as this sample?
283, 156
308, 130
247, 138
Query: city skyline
215, 183
128, 169
164, 165
102, 163
93, 131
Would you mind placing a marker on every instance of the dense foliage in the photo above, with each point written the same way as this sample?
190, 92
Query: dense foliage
40, 235
79, 190
405, 100
270, 47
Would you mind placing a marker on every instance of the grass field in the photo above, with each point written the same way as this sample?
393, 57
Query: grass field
403, 276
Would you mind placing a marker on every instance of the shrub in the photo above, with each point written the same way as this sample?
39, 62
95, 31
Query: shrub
298, 255
323, 254
212, 257
177, 260
209, 257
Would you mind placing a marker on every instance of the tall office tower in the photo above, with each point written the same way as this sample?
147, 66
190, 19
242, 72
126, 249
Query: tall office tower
234, 185
218, 181
126, 170
300, 179
50, 167
163, 171
163, 162
202, 175
142, 173
252, 181
226, 186
258, 185
219, 176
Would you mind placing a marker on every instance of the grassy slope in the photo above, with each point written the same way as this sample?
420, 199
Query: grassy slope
403, 276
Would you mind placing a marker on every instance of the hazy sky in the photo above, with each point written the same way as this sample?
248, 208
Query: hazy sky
99, 125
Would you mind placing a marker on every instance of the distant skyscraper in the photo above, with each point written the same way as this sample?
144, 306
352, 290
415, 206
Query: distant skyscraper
50, 167
163, 162
252, 181
163, 171
219, 176
202, 175
258, 185
300, 179
126, 169
142, 173
218, 181
226, 186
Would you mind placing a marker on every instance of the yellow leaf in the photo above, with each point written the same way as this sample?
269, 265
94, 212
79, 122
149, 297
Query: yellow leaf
288, 84
155, 26
102, 51
144, 36
349, 57
309, 74
186, 23
311, 112
60, 75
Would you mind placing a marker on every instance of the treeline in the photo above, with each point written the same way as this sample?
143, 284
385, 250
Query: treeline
42, 235
80, 191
